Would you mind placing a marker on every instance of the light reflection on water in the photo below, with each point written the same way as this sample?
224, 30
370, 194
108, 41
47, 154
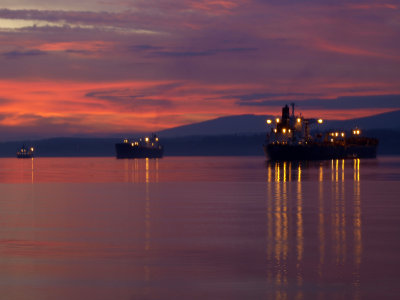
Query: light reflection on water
199, 228
331, 230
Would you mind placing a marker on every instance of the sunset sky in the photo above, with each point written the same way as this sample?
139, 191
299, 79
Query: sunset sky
104, 67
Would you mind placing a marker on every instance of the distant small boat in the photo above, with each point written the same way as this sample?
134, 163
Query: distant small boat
145, 147
25, 152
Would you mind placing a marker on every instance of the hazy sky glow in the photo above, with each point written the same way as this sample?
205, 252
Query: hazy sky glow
109, 66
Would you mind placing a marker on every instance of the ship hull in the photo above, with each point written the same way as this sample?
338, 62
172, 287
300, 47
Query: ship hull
318, 151
125, 150
24, 155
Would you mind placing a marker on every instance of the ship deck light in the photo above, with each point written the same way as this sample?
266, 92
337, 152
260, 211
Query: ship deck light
146, 139
277, 120
269, 121
298, 120
284, 130
320, 121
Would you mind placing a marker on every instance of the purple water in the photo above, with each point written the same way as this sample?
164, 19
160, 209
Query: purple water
199, 228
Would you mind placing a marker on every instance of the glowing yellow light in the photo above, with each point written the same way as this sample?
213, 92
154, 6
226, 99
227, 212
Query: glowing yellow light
146, 139
298, 120
132, 144
332, 140
358, 131
342, 134
125, 140
32, 149
320, 121
277, 120
336, 133
284, 130
275, 130
289, 130
269, 121
156, 139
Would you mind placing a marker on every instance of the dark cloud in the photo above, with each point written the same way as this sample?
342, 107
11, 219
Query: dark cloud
4, 101
145, 48
260, 96
348, 102
171, 52
184, 53
208, 52
27, 53
4, 116
35, 119
55, 16
82, 52
129, 99
34, 126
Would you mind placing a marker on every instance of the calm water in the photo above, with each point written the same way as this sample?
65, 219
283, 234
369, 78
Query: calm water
199, 228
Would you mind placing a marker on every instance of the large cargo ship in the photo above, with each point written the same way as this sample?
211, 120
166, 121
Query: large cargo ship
146, 147
290, 139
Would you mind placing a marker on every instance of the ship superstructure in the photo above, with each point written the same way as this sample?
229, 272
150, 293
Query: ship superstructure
25, 152
290, 139
145, 147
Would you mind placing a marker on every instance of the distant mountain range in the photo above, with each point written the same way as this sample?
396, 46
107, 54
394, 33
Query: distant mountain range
233, 144
252, 124
235, 135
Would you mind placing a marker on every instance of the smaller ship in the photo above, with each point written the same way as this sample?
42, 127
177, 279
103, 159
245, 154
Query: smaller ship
291, 140
145, 147
25, 152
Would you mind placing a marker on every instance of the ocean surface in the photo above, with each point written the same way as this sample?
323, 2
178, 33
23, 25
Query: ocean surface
199, 228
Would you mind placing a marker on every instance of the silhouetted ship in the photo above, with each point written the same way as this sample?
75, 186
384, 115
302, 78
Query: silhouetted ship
25, 152
290, 139
146, 147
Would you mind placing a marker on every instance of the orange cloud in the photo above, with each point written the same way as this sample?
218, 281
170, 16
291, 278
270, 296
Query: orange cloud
139, 106
215, 7
344, 49
369, 6
92, 46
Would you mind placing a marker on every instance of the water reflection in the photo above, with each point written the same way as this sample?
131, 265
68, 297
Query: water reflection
299, 235
141, 170
321, 220
291, 186
357, 223
222, 228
